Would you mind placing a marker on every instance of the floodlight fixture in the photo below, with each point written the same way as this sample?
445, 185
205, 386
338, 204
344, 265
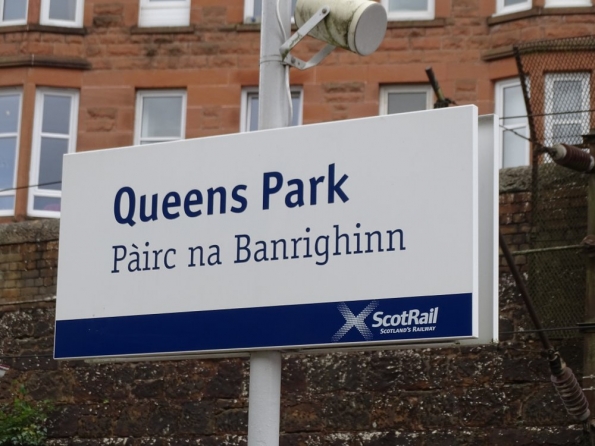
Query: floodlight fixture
355, 25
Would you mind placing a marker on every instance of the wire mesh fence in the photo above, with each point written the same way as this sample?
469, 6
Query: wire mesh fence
557, 81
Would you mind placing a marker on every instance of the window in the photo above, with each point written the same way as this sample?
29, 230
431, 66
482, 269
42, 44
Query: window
566, 93
10, 118
253, 10
164, 13
249, 113
409, 9
510, 106
67, 13
54, 135
510, 6
160, 116
405, 98
566, 3
13, 12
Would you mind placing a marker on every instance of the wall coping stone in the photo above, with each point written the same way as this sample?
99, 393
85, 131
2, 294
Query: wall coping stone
515, 179
30, 231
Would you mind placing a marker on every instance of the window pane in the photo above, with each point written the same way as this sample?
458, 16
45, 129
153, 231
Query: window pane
63, 10
258, 8
567, 97
46, 203
162, 117
8, 152
295, 103
56, 114
514, 2
408, 5
50, 162
514, 105
14, 10
253, 110
7, 203
567, 133
406, 102
9, 113
514, 151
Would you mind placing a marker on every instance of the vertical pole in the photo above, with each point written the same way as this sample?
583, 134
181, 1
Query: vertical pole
273, 99
264, 399
589, 335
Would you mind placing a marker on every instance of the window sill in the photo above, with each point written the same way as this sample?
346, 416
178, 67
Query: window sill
249, 27
498, 53
162, 30
539, 11
42, 29
434, 23
44, 61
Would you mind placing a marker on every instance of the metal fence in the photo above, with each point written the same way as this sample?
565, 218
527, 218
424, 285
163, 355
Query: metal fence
557, 80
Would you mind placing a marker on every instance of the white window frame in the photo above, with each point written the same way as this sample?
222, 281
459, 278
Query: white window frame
163, 13
428, 14
567, 3
500, 86
501, 9
11, 193
249, 16
35, 191
387, 89
550, 79
22, 21
245, 116
44, 17
140, 95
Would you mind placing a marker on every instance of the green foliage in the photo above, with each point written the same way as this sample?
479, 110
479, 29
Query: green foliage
22, 422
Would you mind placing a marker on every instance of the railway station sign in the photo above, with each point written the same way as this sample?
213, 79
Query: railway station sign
356, 233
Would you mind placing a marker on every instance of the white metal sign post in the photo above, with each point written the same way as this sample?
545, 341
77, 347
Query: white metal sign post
274, 105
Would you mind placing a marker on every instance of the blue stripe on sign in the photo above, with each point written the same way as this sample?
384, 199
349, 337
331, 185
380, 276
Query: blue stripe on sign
321, 324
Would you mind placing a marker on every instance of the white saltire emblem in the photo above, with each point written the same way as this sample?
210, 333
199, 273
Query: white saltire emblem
355, 321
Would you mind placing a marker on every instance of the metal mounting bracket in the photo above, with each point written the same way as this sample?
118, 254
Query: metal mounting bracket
285, 49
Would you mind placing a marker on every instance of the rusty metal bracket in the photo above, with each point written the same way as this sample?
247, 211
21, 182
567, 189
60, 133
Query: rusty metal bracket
285, 49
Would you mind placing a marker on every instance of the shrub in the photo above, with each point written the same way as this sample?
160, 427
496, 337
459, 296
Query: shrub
22, 422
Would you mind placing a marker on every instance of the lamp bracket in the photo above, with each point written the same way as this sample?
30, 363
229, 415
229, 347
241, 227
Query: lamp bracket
285, 49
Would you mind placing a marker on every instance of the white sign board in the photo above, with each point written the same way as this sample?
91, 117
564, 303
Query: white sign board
353, 233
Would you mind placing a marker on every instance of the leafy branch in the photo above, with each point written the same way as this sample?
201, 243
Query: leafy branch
22, 422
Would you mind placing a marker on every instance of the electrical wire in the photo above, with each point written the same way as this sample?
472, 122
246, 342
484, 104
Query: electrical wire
29, 186
45, 355
519, 134
548, 114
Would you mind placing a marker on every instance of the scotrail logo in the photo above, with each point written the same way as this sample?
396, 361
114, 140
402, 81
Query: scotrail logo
405, 322
358, 321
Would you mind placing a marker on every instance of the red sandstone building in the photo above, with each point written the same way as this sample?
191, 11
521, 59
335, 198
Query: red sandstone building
79, 75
